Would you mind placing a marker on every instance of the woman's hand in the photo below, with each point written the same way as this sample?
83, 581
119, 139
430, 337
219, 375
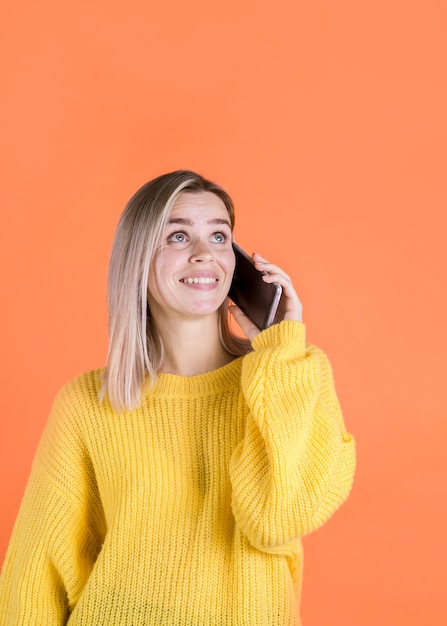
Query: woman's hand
293, 306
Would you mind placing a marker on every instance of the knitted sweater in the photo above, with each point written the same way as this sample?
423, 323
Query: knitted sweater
189, 510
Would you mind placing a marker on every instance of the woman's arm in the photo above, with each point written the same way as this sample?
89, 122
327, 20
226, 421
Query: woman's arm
58, 531
296, 463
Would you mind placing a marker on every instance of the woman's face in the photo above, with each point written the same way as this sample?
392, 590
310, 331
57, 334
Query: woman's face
193, 266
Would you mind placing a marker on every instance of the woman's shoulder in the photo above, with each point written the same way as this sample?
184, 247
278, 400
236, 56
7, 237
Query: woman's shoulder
80, 394
84, 384
72, 416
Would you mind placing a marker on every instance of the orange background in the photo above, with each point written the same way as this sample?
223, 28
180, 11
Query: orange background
326, 121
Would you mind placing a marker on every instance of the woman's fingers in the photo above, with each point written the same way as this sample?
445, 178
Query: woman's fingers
274, 274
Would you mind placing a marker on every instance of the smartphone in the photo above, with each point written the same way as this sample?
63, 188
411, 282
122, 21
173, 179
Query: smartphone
262, 302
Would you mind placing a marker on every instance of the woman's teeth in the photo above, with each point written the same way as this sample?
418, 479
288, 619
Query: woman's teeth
199, 281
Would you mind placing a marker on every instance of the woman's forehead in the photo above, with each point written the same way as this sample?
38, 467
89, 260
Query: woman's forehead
200, 206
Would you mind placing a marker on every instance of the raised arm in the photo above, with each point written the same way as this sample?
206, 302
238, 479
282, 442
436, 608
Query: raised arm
295, 465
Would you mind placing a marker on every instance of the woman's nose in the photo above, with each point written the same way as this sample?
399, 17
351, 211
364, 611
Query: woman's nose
201, 252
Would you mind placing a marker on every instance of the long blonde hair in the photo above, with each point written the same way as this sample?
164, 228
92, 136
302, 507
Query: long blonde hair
135, 353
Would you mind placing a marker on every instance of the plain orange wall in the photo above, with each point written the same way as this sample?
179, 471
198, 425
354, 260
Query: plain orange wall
326, 120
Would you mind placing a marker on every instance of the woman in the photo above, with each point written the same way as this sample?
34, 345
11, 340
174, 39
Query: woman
174, 487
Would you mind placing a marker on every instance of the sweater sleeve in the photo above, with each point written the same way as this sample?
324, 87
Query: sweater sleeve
59, 529
295, 464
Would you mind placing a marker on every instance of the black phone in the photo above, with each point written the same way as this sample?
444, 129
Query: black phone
262, 302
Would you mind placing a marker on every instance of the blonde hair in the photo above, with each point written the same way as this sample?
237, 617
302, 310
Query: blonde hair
135, 353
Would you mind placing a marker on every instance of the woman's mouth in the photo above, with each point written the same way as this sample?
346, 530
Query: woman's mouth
199, 280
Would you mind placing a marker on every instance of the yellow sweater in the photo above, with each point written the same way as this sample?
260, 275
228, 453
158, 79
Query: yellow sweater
188, 511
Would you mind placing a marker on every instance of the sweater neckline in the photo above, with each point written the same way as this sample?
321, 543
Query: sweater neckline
208, 383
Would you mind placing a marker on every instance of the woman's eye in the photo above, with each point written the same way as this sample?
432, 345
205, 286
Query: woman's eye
219, 237
177, 237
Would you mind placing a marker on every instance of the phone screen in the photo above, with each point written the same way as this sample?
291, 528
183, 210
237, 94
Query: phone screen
260, 301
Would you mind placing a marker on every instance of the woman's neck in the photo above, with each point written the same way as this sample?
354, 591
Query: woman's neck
192, 347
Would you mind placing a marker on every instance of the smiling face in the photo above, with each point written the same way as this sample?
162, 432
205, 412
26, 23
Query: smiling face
191, 272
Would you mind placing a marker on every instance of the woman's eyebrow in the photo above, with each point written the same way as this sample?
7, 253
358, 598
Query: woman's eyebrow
188, 222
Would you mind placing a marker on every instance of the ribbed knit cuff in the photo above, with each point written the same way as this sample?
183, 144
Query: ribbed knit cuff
288, 333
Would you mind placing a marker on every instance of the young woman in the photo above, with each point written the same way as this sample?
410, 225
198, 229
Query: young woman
174, 486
